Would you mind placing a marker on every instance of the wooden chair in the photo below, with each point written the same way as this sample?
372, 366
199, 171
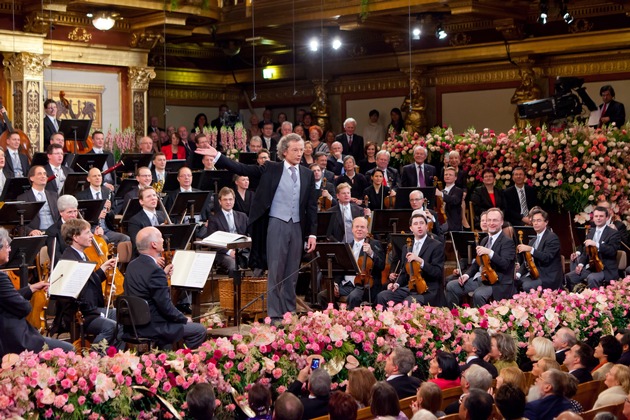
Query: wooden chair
405, 406
622, 262
450, 395
364, 413
615, 409
450, 417
587, 393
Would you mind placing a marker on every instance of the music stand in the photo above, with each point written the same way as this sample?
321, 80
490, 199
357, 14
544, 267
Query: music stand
91, 210
323, 220
135, 161
464, 243
14, 187
175, 165
75, 182
19, 213
39, 159
170, 182
528, 233
87, 161
399, 240
248, 158
190, 203
402, 196
23, 252
335, 259
132, 208
77, 130
390, 221
125, 186
215, 180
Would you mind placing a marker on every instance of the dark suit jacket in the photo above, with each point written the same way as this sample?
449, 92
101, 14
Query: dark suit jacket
561, 355
513, 204
608, 246
333, 166
393, 177
481, 201
171, 196
139, 221
486, 365
17, 334
51, 198
582, 374
432, 252
358, 184
52, 185
218, 222
146, 280
110, 161
245, 205
357, 149
453, 208
462, 178
270, 144
54, 232
336, 228
546, 408
313, 407
409, 177
616, 112
86, 194
9, 171
547, 260
331, 190
405, 385
269, 175
503, 263
49, 130
376, 201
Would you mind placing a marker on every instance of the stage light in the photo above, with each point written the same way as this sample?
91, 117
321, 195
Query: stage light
313, 44
416, 33
440, 33
336, 44
568, 18
103, 21
544, 12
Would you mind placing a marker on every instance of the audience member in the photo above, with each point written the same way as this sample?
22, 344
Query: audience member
316, 404
579, 361
537, 348
570, 389
369, 163
288, 407
360, 382
477, 345
510, 401
444, 370
563, 340
503, 351
476, 405
540, 366
607, 352
342, 406
487, 195
398, 365
384, 401
201, 401
552, 402
259, 400
424, 414
624, 338
374, 131
475, 377
428, 397
618, 383
512, 375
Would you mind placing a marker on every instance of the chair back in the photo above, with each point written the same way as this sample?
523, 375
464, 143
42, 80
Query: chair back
622, 261
132, 311
405, 406
588, 392
450, 395
615, 409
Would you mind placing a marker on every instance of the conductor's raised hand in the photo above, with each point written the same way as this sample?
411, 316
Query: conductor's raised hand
210, 151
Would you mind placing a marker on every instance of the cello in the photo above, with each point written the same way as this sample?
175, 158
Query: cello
25, 144
81, 148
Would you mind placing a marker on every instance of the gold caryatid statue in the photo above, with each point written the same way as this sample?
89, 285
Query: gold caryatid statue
319, 108
527, 91
414, 107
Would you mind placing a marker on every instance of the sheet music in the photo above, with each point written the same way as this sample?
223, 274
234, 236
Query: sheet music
69, 277
191, 269
594, 118
222, 239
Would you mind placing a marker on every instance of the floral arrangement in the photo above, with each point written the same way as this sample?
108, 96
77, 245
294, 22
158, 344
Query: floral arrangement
120, 142
124, 385
234, 141
212, 134
400, 147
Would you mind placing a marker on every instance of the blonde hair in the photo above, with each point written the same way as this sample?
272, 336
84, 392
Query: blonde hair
543, 347
514, 376
622, 376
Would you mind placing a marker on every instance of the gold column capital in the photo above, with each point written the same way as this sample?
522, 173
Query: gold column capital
19, 66
140, 77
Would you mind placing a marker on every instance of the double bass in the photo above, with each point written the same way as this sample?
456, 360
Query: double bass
81, 147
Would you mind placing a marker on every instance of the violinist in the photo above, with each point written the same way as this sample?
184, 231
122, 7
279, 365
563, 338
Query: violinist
452, 197
377, 192
322, 160
328, 191
357, 181
605, 242
425, 258
78, 236
144, 178
545, 250
340, 227
345, 286
418, 202
501, 255
98, 142
16, 163
17, 334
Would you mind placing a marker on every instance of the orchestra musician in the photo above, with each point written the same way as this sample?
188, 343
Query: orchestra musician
340, 227
55, 168
452, 197
148, 216
16, 165
68, 209
327, 191
545, 250
98, 142
377, 192
144, 178
417, 201
606, 242
502, 254
244, 198
429, 255
17, 334
48, 213
146, 279
345, 285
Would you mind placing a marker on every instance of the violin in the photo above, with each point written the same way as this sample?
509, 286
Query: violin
594, 262
81, 343
25, 144
324, 203
168, 257
416, 282
365, 264
439, 203
39, 299
488, 275
529, 260
81, 147
388, 265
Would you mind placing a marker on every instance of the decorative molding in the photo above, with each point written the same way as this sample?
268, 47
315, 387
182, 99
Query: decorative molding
72, 52
580, 25
473, 76
33, 124
459, 39
139, 111
25, 66
80, 34
202, 95
140, 77
511, 29
18, 104
55, 86
146, 39
376, 83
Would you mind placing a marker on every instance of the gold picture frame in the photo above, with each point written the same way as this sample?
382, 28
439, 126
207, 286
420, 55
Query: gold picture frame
85, 102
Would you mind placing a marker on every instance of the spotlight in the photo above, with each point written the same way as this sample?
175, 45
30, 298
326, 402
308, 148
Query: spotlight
416, 33
440, 33
336, 44
544, 12
568, 18
313, 45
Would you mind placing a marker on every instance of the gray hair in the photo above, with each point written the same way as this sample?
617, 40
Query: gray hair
256, 139
319, 383
558, 380
4, 237
383, 152
424, 414
478, 377
289, 123
568, 336
482, 342
283, 144
349, 157
420, 147
403, 359
66, 202
349, 120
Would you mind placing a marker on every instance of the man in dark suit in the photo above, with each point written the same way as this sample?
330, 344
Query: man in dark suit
55, 168
563, 340
419, 173
328, 190
545, 251
335, 160
428, 253
17, 334
145, 279
316, 404
184, 178
148, 216
287, 209
611, 110
269, 137
51, 123
552, 402
16, 164
153, 126
501, 254
606, 241
477, 345
397, 367
352, 143
340, 227
98, 142
624, 338
67, 206
144, 178
579, 361
49, 212
322, 160
392, 177
452, 197
288, 407
227, 220
357, 181
519, 199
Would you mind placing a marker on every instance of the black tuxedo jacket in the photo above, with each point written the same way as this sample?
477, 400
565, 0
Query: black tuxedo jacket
146, 280
481, 201
333, 166
270, 144
616, 112
49, 130
503, 263
453, 208
139, 221
54, 232
110, 161
17, 334
51, 198
608, 246
331, 190
409, 177
562, 355
582, 374
513, 204
357, 149
269, 175
171, 196
432, 252
86, 194
376, 200
486, 365
313, 407
393, 177
462, 178
336, 228
52, 185
9, 171
547, 260
91, 297
405, 386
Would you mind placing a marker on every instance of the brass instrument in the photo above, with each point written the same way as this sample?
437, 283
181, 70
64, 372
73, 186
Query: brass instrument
158, 186
529, 260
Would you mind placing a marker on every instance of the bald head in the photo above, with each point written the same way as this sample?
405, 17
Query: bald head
149, 239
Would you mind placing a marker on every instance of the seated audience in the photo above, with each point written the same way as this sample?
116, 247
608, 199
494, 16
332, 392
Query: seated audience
288, 407
360, 382
624, 338
513, 376
579, 361
563, 340
201, 400
444, 370
618, 383
538, 348
540, 366
475, 377
477, 346
476, 405
429, 397
570, 389
607, 352
503, 351
316, 404
259, 400
551, 385
398, 365
384, 401
342, 406
510, 401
